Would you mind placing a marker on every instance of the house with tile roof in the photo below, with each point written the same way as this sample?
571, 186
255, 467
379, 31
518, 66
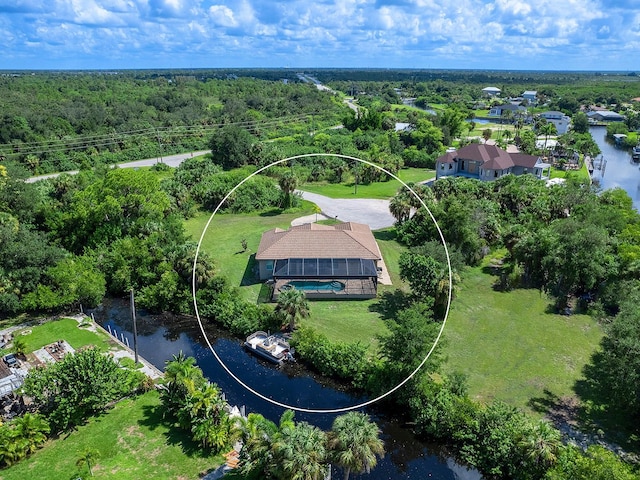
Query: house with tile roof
325, 261
489, 162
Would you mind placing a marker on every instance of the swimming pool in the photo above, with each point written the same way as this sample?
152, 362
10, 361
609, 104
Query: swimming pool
315, 285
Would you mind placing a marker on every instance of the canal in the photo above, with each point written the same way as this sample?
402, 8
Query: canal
619, 170
161, 336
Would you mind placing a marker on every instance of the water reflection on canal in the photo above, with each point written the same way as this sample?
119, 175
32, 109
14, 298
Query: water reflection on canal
160, 337
620, 170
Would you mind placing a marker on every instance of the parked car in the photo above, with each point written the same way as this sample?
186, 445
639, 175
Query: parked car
11, 360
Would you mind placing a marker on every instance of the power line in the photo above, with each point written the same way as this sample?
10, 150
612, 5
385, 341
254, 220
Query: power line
104, 140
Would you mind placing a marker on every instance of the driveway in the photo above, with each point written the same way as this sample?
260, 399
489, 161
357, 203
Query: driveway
372, 212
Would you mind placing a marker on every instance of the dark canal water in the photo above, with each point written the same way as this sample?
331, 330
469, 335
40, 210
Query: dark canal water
160, 337
619, 170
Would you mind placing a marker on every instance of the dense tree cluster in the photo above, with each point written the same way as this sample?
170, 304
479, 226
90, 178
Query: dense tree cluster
196, 405
58, 122
80, 385
291, 450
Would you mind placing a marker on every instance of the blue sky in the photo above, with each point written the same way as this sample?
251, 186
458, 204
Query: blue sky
479, 34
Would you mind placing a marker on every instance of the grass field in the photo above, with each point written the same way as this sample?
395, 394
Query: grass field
379, 190
132, 441
511, 348
67, 329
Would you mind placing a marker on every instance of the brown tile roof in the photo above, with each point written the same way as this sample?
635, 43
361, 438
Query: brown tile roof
490, 157
524, 160
311, 240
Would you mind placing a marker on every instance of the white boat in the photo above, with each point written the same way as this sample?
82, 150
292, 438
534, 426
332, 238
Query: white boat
635, 153
272, 347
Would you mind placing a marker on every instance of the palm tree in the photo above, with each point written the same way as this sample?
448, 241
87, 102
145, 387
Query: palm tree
181, 379
32, 429
506, 135
256, 433
259, 436
400, 207
547, 130
292, 305
182, 369
354, 443
542, 443
288, 183
300, 453
210, 423
19, 346
88, 456
182, 262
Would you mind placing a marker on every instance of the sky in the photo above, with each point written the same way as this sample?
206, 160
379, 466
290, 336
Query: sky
600, 35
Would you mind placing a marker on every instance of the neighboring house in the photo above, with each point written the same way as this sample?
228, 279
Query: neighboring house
605, 116
559, 119
325, 261
491, 91
403, 127
499, 110
488, 162
530, 95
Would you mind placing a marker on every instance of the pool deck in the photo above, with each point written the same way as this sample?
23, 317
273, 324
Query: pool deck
356, 288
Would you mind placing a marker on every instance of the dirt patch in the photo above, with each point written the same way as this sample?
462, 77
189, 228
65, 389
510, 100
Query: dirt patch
564, 411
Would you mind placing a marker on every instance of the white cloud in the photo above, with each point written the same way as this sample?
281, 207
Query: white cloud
222, 16
353, 32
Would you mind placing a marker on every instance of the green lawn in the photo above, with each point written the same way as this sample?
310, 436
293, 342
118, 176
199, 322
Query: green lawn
133, 442
379, 190
63, 329
510, 347
581, 175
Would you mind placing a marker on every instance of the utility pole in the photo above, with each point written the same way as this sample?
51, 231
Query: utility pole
159, 144
356, 182
135, 328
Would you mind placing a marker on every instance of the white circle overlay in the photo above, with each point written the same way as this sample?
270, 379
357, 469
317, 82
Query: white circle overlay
293, 407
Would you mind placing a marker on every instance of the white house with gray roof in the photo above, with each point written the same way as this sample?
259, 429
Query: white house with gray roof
559, 119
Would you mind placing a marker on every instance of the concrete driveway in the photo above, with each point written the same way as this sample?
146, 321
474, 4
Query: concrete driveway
372, 212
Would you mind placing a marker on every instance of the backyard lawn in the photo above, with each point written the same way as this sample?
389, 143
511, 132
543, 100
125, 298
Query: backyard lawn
510, 347
63, 329
132, 440
379, 190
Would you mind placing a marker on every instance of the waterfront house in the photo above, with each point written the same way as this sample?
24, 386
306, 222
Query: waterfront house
559, 119
489, 162
326, 261
604, 116
500, 110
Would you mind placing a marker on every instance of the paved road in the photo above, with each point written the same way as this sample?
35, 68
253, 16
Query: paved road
372, 212
171, 160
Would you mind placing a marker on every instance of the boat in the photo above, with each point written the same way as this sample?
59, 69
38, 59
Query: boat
272, 347
635, 153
